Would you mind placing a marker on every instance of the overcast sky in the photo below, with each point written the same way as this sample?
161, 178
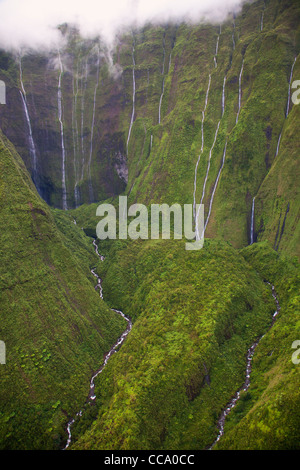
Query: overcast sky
33, 22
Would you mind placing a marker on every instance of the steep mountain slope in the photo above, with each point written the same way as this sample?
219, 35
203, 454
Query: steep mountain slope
196, 315
55, 327
172, 114
154, 116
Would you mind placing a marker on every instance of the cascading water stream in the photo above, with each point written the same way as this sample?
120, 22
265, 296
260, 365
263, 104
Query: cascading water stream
83, 91
246, 384
252, 222
75, 135
91, 395
60, 118
223, 96
208, 164
163, 82
91, 191
133, 96
217, 48
287, 106
289, 91
214, 189
240, 92
201, 151
32, 148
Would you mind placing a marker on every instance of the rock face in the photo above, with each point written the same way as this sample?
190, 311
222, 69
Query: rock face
152, 116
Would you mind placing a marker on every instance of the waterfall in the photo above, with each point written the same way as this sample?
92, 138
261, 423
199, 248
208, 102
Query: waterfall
215, 187
287, 106
91, 191
60, 118
233, 39
240, 92
217, 48
223, 96
289, 91
133, 96
252, 222
278, 144
163, 83
83, 90
32, 148
262, 21
202, 146
160, 101
209, 159
75, 136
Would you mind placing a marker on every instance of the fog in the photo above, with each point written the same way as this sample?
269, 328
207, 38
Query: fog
33, 23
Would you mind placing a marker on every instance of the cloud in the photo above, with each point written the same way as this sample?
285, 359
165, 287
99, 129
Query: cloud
33, 23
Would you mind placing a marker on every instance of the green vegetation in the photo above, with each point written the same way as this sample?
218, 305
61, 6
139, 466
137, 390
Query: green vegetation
194, 313
55, 326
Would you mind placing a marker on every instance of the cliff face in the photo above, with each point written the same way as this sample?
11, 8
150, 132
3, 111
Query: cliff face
136, 118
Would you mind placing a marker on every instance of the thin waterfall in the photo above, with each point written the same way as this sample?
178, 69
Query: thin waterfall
252, 222
262, 21
60, 118
91, 191
278, 145
133, 95
163, 83
75, 136
209, 159
83, 91
215, 187
202, 146
233, 32
32, 148
287, 106
240, 92
217, 48
289, 91
223, 96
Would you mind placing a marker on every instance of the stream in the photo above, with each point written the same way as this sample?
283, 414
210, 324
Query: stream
91, 396
246, 384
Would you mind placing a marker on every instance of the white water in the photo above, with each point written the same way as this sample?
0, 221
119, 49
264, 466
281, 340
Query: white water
216, 52
91, 191
83, 90
223, 96
278, 145
252, 222
201, 151
289, 91
75, 135
246, 385
233, 39
163, 83
240, 92
262, 21
287, 106
133, 96
208, 164
60, 118
215, 187
32, 148
91, 395
160, 101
